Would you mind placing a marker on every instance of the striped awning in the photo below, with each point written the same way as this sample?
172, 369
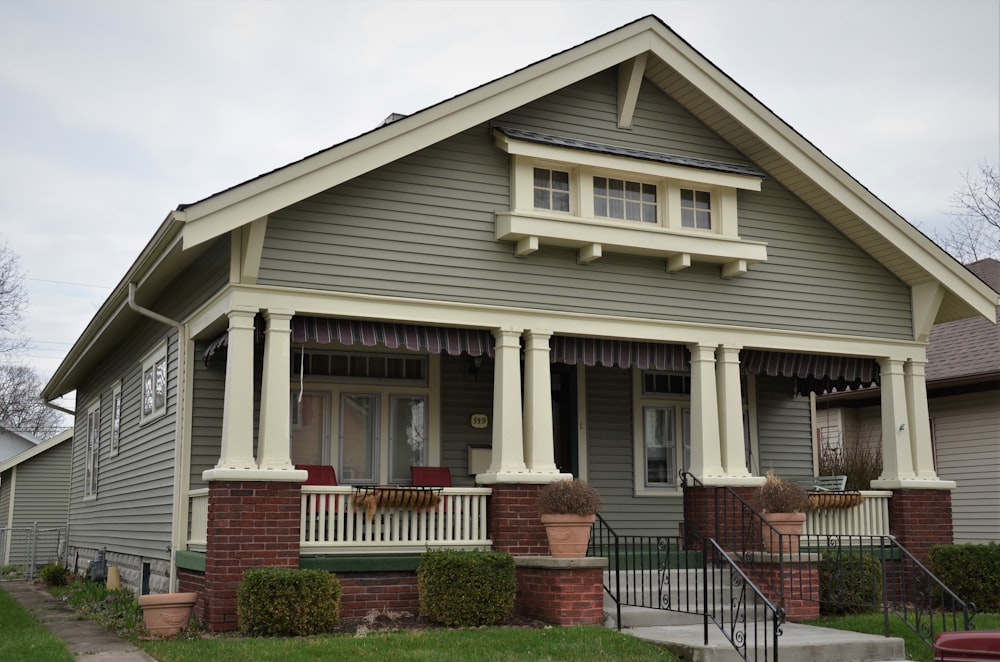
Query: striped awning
619, 353
412, 337
817, 373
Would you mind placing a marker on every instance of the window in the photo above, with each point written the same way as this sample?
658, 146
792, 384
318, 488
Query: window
93, 451
380, 407
601, 199
116, 417
624, 199
696, 209
551, 189
154, 384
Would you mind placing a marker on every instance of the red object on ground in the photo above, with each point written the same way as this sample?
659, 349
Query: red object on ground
970, 646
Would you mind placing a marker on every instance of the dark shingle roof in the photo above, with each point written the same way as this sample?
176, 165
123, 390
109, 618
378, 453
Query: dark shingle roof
572, 143
969, 347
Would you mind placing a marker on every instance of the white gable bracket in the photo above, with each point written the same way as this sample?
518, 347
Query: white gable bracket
734, 268
678, 262
629, 81
589, 253
525, 246
925, 299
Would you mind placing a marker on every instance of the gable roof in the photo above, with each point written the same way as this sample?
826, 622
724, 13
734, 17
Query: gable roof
668, 62
970, 348
37, 450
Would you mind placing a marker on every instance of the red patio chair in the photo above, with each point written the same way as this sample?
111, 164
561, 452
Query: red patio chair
430, 476
321, 474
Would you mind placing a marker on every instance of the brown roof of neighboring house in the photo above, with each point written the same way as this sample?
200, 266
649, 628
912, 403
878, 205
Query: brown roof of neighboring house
970, 347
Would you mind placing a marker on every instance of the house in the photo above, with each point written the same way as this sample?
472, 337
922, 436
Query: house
34, 502
963, 398
614, 263
13, 442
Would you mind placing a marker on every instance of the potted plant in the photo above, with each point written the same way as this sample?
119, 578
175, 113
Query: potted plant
166, 614
783, 504
568, 509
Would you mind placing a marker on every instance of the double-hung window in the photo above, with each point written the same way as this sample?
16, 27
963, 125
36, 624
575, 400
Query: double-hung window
664, 430
154, 384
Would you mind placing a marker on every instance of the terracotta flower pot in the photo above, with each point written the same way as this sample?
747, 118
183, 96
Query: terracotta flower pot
784, 539
568, 535
166, 614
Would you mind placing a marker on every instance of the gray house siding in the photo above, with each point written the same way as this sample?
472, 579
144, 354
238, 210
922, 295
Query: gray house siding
5, 494
41, 492
784, 430
134, 505
462, 395
423, 227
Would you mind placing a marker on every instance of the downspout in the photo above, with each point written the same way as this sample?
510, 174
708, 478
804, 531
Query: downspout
181, 478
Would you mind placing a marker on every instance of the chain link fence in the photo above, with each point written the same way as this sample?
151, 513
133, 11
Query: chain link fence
25, 550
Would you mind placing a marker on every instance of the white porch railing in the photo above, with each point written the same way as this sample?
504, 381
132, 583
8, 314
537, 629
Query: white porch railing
871, 518
331, 523
198, 515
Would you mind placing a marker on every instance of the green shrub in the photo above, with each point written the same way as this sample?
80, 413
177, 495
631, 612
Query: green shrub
849, 582
972, 572
54, 574
466, 588
287, 602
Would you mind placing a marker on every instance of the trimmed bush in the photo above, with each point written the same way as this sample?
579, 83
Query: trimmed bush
466, 588
972, 572
274, 602
54, 574
849, 582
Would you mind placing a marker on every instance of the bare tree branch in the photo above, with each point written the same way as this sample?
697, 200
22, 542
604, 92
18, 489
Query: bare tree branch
974, 232
13, 300
21, 405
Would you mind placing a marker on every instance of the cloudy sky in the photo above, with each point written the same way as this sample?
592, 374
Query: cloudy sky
115, 111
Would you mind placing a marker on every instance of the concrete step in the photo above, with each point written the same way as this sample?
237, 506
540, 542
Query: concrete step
797, 643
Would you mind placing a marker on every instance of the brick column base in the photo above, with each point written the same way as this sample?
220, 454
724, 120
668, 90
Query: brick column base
920, 519
251, 524
561, 591
513, 520
801, 584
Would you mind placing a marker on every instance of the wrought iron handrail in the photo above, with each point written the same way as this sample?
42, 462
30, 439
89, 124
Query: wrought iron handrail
748, 611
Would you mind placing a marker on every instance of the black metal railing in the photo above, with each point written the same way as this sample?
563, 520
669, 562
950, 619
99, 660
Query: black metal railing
747, 619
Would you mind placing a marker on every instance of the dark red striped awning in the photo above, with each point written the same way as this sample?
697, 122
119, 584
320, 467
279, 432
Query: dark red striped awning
813, 372
412, 337
619, 353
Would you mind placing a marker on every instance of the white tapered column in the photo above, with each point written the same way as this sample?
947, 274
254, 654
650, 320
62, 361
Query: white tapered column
706, 451
508, 437
538, 444
236, 450
273, 449
727, 372
897, 457
919, 420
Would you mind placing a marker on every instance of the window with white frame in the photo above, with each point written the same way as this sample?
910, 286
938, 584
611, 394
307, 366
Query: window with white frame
602, 199
93, 450
663, 430
116, 417
154, 384
378, 404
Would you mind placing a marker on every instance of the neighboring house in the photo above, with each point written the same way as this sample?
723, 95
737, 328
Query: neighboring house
614, 263
963, 392
34, 500
13, 442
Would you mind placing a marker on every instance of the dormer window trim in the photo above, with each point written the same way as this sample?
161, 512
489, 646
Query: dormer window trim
654, 175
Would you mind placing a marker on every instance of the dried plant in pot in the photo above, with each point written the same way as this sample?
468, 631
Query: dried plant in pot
783, 504
567, 509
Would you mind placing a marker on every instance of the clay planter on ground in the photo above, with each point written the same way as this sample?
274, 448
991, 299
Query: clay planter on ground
789, 525
166, 614
568, 535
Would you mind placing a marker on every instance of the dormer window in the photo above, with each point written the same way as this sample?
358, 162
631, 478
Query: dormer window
599, 198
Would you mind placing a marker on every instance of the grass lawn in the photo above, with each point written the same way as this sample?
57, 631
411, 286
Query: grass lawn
577, 643
23, 638
916, 649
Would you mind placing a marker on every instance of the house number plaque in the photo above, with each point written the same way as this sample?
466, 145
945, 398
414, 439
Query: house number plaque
479, 421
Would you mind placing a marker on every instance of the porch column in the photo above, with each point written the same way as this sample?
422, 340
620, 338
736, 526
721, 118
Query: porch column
897, 458
538, 445
237, 413
273, 451
727, 373
706, 452
508, 437
919, 420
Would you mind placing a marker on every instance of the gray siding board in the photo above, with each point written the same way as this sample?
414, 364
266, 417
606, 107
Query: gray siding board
206, 415
462, 395
423, 227
784, 430
609, 459
42, 493
5, 494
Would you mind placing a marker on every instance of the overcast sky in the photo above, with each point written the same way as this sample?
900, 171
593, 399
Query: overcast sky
114, 112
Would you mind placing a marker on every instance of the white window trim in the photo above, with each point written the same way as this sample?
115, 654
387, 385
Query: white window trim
92, 453
150, 362
579, 228
384, 390
116, 418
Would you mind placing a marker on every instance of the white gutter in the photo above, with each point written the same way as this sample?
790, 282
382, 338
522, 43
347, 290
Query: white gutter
181, 478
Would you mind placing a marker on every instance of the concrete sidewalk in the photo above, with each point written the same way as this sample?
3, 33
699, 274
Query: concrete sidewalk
87, 641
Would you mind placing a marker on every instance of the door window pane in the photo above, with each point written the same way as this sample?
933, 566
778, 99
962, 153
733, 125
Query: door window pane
359, 438
407, 435
309, 428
